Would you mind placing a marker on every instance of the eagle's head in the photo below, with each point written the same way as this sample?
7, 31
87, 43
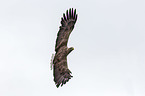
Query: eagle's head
69, 50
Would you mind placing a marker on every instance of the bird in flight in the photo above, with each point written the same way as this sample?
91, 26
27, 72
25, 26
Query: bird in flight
61, 72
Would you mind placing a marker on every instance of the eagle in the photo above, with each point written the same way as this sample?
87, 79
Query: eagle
61, 72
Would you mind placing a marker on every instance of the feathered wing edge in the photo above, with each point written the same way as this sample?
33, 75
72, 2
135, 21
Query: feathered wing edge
61, 78
71, 14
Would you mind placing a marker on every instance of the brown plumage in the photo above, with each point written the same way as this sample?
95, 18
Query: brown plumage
61, 72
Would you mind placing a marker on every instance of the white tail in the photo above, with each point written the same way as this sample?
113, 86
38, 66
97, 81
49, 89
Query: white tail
51, 63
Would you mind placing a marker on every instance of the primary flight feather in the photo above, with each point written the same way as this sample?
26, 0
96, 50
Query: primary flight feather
61, 72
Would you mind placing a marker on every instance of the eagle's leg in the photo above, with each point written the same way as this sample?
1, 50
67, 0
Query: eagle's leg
69, 50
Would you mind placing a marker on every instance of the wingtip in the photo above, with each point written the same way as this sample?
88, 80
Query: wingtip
70, 13
61, 80
67, 14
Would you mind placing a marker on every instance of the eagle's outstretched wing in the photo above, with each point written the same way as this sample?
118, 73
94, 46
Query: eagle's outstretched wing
67, 24
61, 72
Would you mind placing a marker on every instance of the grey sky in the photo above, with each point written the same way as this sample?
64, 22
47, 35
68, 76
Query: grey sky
109, 42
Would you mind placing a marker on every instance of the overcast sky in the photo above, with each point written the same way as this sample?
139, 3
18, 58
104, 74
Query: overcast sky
108, 38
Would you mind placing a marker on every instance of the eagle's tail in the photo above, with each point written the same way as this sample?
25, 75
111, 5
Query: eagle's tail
51, 63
